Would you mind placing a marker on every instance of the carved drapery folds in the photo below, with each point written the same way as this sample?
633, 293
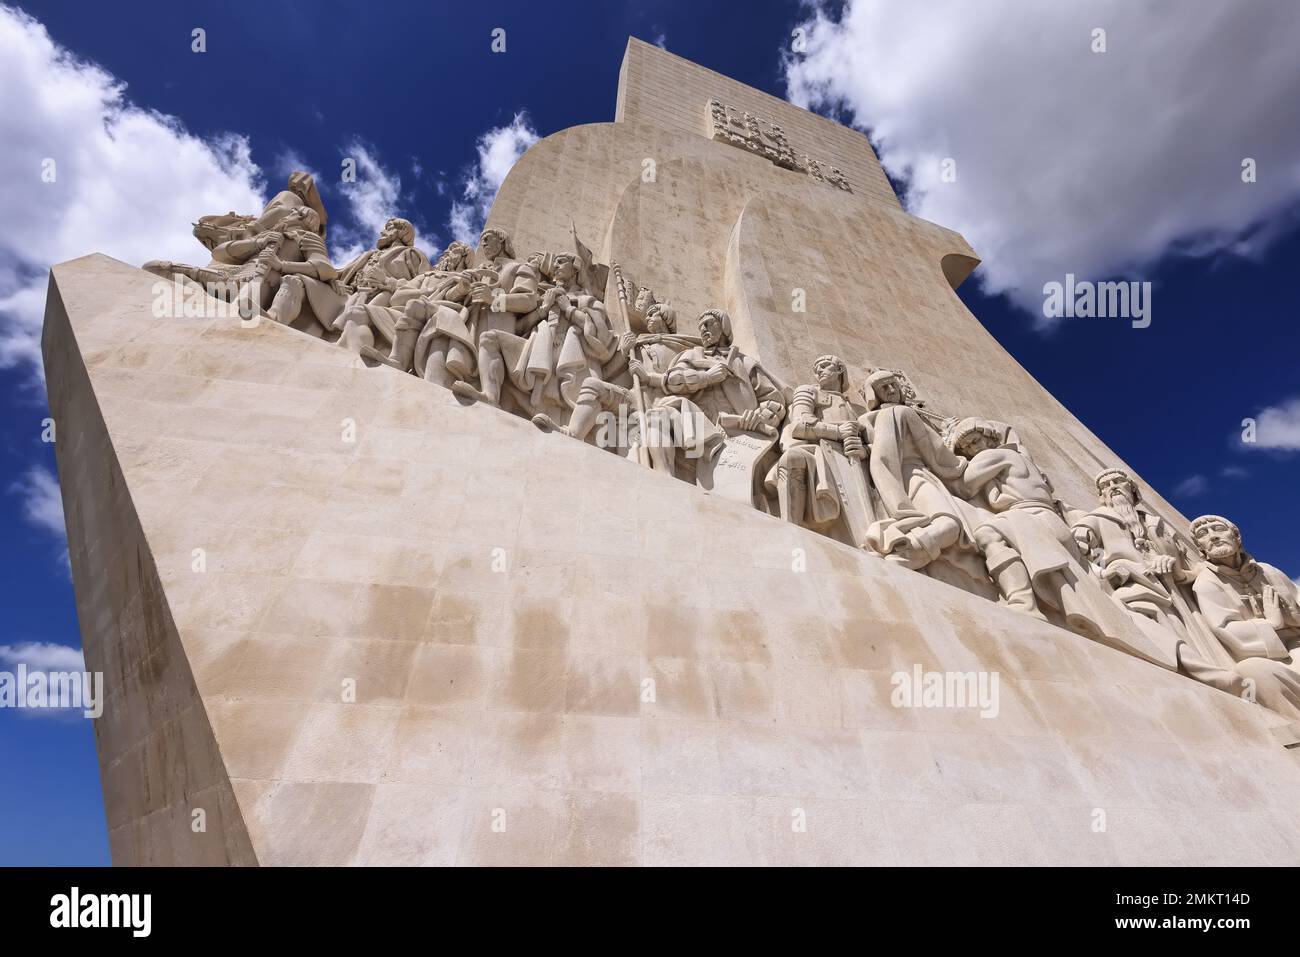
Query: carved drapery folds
958, 498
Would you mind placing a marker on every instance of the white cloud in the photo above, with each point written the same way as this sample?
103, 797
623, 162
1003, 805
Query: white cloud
498, 150
1069, 160
1277, 428
42, 502
127, 181
661, 40
43, 656
372, 199
1192, 487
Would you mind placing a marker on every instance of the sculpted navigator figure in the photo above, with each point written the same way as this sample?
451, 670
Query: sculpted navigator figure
1253, 607
730, 387
371, 280
433, 315
648, 357
915, 475
222, 228
820, 465
1136, 551
1029, 549
1254, 610
503, 297
718, 400
300, 191
255, 267
570, 343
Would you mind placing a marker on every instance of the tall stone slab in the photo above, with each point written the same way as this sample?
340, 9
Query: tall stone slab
354, 620
708, 223
622, 669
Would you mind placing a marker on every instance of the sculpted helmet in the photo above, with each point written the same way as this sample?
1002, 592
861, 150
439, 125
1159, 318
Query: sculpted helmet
869, 386
839, 364
963, 429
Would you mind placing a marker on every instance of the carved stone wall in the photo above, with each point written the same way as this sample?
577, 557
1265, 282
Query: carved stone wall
354, 616
483, 690
878, 282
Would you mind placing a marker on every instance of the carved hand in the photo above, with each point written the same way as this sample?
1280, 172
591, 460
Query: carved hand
751, 419
1273, 607
480, 294
1160, 564
853, 447
1119, 572
716, 375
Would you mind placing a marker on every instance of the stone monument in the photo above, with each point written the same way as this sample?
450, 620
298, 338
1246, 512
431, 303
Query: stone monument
507, 559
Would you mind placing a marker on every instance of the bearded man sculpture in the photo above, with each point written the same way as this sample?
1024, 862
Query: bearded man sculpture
371, 280
1254, 610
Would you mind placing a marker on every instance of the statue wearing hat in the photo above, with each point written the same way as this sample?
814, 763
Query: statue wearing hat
1254, 609
1029, 548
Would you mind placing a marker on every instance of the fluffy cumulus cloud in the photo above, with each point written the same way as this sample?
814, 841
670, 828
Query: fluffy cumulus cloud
84, 170
42, 502
1193, 486
43, 656
498, 150
371, 199
1277, 428
1066, 159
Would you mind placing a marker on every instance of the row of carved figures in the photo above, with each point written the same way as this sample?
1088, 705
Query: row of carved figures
959, 498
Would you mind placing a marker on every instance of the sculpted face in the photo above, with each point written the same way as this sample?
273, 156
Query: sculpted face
1117, 485
1218, 542
389, 235
710, 330
302, 217
453, 257
889, 391
490, 245
654, 321
973, 444
565, 269
829, 372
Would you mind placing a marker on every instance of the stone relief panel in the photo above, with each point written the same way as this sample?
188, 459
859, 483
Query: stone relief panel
950, 494
744, 130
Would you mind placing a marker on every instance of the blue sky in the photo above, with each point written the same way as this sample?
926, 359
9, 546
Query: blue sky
1067, 162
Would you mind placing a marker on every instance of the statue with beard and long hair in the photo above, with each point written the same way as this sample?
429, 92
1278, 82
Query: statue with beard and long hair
370, 282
